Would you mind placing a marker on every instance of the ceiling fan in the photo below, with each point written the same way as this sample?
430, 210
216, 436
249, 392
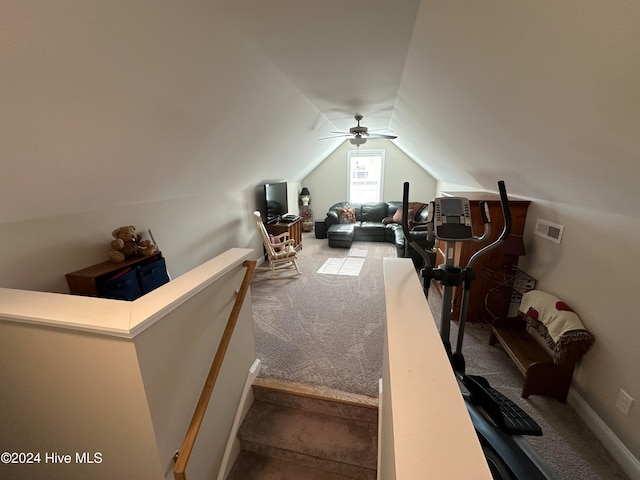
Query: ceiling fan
360, 133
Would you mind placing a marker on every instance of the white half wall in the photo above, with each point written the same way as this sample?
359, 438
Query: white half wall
122, 379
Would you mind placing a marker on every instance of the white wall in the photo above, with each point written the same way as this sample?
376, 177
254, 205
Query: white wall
71, 384
72, 392
158, 116
594, 270
188, 231
328, 181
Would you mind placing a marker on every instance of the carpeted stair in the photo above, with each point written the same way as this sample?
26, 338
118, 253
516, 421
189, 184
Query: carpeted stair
298, 432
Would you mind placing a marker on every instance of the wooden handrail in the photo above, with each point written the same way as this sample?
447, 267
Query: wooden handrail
198, 415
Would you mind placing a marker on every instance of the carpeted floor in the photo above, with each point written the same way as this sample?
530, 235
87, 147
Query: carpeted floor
327, 330
323, 329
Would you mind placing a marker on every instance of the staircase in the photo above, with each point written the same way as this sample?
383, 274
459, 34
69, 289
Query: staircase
297, 432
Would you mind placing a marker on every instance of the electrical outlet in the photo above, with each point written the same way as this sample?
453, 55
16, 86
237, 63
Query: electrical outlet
624, 402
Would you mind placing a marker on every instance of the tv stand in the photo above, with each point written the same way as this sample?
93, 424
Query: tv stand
293, 228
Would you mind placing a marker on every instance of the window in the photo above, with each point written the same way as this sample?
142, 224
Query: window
365, 175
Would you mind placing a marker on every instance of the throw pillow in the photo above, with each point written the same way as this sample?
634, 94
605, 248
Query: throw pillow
397, 217
347, 215
413, 209
274, 241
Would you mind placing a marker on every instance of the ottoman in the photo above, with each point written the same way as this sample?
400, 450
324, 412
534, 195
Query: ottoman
341, 235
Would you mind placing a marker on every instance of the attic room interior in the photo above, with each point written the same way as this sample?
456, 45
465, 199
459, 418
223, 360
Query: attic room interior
167, 117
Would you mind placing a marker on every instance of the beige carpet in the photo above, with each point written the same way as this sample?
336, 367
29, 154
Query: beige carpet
328, 330
324, 329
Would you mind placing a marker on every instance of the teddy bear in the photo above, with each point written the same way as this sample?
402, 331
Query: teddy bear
129, 244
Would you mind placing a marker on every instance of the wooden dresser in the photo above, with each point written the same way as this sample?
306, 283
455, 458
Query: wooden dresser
127, 280
495, 258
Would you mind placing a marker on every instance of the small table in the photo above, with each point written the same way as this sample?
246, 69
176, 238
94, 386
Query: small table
321, 229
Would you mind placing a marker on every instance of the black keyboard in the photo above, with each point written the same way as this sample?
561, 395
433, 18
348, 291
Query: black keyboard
503, 411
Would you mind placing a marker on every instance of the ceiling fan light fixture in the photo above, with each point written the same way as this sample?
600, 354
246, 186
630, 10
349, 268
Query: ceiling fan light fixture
360, 133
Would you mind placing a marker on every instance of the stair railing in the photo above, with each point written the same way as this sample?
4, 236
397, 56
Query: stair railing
182, 456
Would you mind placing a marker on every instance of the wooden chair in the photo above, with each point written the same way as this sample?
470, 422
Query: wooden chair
281, 254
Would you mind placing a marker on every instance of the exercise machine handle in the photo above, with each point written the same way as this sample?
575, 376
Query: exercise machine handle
405, 225
506, 211
506, 215
484, 212
405, 210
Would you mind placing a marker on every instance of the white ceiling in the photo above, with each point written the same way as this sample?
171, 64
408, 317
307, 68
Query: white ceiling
205, 96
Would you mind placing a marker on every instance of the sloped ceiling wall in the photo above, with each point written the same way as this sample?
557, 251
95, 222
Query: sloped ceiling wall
543, 94
96, 94
122, 103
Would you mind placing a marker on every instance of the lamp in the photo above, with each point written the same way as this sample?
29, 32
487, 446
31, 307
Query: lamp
512, 248
305, 197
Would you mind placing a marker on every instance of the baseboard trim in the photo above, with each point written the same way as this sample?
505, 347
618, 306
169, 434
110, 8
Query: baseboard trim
620, 452
232, 450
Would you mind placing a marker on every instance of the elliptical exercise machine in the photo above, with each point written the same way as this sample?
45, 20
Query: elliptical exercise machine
499, 422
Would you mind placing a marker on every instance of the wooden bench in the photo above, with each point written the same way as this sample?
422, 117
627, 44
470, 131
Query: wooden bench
542, 375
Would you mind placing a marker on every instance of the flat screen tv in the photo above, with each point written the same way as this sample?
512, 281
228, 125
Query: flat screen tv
271, 199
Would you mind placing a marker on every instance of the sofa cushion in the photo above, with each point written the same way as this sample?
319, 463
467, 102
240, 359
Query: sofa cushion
373, 212
392, 206
347, 215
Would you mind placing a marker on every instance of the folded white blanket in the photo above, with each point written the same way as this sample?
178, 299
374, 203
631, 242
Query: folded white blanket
550, 311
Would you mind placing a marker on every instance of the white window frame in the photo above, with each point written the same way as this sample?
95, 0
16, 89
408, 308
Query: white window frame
352, 157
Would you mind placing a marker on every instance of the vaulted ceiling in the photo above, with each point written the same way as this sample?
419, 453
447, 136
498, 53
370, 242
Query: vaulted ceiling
133, 101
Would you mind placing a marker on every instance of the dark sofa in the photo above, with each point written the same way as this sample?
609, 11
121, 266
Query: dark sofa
377, 222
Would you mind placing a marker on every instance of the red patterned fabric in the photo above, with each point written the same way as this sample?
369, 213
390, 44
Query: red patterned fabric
561, 306
346, 215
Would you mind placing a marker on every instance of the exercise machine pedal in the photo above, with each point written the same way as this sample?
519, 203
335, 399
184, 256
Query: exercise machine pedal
503, 411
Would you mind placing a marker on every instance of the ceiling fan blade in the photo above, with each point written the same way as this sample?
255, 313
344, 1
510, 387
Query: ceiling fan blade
380, 135
336, 136
360, 133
